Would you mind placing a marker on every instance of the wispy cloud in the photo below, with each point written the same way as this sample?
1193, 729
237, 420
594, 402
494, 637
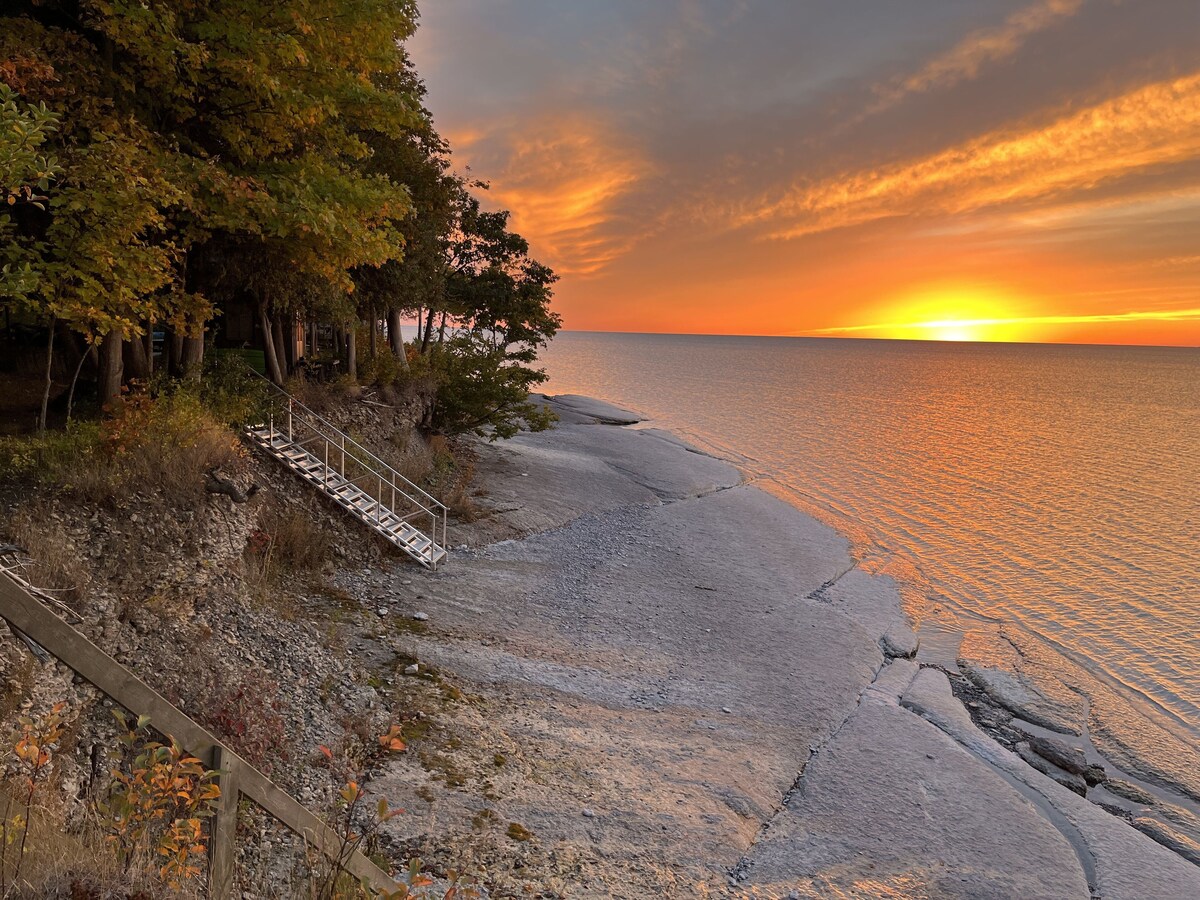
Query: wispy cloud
986, 45
1151, 126
563, 178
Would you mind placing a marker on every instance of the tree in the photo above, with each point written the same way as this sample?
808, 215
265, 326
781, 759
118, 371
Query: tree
25, 175
497, 307
191, 126
419, 159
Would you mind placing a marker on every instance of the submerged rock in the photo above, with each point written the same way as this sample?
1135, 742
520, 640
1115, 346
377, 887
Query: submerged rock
1022, 698
1070, 759
1130, 792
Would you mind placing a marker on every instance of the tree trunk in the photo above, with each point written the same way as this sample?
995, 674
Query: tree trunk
276, 337
49, 379
111, 369
74, 381
175, 354
442, 330
264, 324
192, 363
428, 331
373, 337
339, 343
289, 341
352, 351
134, 356
396, 337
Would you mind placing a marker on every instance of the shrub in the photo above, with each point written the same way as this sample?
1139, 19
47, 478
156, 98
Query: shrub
230, 392
165, 442
245, 713
157, 802
35, 745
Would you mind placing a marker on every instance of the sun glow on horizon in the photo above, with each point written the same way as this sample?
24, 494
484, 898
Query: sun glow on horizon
945, 314
973, 316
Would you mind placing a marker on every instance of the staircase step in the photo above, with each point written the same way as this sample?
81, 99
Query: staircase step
387, 522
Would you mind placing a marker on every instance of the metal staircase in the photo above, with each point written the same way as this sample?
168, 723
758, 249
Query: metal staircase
354, 478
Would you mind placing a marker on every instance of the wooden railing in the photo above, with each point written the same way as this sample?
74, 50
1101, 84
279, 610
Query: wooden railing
238, 778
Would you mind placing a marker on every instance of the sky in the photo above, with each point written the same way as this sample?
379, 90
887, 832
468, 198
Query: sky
935, 169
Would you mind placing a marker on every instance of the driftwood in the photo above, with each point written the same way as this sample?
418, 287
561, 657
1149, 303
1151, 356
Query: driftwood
215, 484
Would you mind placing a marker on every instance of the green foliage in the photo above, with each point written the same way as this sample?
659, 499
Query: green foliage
50, 456
483, 391
163, 442
230, 393
25, 175
161, 157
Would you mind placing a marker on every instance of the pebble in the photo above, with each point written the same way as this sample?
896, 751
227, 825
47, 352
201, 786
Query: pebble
421, 617
726, 709
588, 814
412, 669
383, 611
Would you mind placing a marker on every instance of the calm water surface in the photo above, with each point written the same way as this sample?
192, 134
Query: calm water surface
1055, 487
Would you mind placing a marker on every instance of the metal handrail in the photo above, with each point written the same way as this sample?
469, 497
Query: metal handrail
420, 490
372, 465
328, 438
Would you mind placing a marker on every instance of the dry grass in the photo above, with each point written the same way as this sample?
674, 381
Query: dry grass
288, 543
76, 864
459, 498
411, 456
57, 564
163, 444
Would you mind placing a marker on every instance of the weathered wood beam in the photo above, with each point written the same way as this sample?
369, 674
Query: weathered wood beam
25, 612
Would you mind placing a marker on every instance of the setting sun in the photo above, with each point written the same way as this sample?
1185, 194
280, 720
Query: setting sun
944, 314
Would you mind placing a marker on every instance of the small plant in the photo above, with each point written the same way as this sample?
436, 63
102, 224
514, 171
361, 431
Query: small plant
34, 748
157, 802
245, 712
358, 822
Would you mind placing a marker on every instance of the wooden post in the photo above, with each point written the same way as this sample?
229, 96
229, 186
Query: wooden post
24, 611
222, 846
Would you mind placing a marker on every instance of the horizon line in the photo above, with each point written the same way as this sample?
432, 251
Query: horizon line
902, 340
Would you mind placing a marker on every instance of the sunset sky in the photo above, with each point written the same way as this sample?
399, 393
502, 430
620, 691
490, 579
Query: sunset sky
949, 169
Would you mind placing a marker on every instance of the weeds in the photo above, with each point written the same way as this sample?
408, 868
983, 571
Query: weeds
36, 743
55, 561
159, 443
158, 799
357, 822
289, 542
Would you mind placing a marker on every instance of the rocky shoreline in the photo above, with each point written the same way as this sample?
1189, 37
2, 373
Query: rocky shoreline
693, 687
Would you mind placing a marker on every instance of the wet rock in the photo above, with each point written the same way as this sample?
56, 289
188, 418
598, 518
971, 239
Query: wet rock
1021, 697
1130, 792
1068, 758
1168, 837
1069, 780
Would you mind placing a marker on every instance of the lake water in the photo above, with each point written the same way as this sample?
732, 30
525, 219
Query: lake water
1056, 488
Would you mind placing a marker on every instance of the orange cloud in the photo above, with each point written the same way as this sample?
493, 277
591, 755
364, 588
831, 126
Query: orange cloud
562, 179
1155, 125
986, 45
